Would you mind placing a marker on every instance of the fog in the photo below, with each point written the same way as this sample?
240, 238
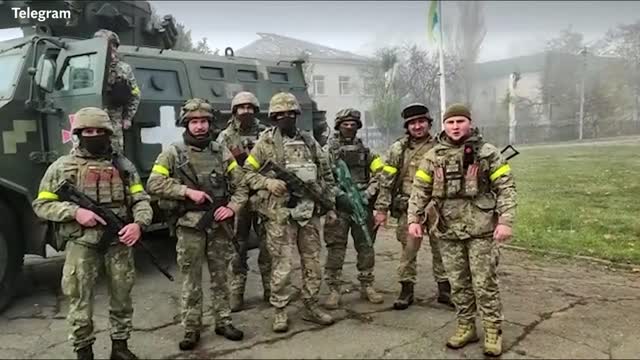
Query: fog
520, 65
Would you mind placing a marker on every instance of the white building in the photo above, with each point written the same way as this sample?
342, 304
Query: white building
539, 119
333, 76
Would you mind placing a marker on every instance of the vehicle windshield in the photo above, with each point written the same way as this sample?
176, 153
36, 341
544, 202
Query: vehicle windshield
9, 63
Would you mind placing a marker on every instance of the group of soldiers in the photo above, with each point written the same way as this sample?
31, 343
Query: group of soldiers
456, 188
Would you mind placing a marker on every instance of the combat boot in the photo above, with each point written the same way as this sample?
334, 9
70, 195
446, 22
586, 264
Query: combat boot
120, 351
191, 339
236, 300
492, 339
314, 314
85, 353
367, 292
444, 293
230, 332
406, 296
333, 300
465, 334
280, 321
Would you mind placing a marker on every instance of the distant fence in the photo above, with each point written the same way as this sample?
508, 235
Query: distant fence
567, 130
564, 131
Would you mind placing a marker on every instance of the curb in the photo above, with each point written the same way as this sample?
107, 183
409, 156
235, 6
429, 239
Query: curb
631, 267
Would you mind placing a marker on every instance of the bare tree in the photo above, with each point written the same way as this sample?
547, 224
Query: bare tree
469, 35
419, 76
184, 42
563, 69
381, 74
567, 41
203, 47
624, 42
399, 76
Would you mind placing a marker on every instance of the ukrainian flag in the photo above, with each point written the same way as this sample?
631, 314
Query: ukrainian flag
433, 20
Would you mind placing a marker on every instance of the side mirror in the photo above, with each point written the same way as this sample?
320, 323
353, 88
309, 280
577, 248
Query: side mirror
44, 74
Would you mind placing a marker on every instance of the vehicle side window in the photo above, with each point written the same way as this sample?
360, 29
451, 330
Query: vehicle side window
79, 72
9, 65
158, 84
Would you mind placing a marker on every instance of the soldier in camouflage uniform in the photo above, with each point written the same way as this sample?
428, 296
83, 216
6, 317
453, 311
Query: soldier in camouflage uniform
187, 176
239, 137
474, 197
112, 180
122, 95
291, 224
395, 187
363, 165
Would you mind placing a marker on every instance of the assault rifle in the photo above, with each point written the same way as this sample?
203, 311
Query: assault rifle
209, 208
509, 147
359, 213
296, 187
68, 192
207, 218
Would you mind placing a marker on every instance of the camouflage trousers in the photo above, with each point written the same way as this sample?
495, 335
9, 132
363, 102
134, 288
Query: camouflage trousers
336, 236
79, 276
239, 267
117, 139
192, 248
407, 269
281, 240
472, 267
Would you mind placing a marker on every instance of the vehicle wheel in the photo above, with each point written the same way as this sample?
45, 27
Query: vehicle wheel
11, 257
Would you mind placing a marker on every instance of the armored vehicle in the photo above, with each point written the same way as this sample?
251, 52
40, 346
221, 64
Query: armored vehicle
57, 67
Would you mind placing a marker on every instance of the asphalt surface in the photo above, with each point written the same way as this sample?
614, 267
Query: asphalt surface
554, 308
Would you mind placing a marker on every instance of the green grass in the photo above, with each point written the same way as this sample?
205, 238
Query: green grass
582, 200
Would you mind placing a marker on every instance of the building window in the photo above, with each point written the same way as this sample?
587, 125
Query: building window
344, 85
318, 85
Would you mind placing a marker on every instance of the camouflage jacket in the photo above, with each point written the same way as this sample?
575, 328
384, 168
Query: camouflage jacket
463, 205
167, 181
119, 69
98, 178
240, 141
272, 145
371, 163
395, 184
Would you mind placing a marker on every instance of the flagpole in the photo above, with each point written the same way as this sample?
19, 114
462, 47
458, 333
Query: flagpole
443, 85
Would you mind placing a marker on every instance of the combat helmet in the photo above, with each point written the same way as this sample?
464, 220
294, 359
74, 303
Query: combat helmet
415, 111
283, 102
193, 105
348, 114
109, 35
91, 117
245, 97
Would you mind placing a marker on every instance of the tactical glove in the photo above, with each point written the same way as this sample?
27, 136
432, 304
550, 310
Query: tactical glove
277, 187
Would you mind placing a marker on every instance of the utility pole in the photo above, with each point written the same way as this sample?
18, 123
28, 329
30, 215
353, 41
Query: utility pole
582, 52
513, 122
443, 78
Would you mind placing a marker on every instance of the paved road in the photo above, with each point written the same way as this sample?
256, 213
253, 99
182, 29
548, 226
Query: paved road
554, 308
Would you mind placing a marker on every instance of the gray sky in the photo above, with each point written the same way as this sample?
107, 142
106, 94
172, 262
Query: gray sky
513, 27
